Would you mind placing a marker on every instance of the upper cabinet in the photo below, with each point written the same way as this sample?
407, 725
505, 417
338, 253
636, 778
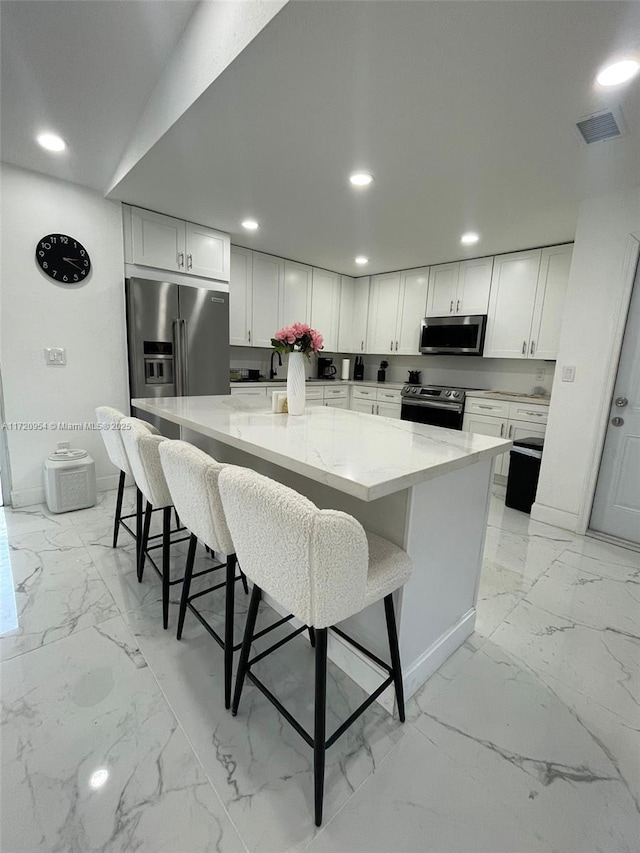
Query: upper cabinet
159, 241
396, 305
354, 312
240, 296
267, 287
526, 303
296, 295
325, 306
459, 288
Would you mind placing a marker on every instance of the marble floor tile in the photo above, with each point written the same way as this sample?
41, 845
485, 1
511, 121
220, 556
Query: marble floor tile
259, 765
93, 759
57, 589
505, 766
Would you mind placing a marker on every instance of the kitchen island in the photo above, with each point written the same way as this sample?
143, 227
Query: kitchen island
427, 489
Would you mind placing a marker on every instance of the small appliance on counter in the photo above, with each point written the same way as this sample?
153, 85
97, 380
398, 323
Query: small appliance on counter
382, 373
326, 370
358, 369
346, 368
414, 377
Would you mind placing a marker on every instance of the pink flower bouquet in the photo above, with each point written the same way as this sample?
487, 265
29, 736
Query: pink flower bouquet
297, 338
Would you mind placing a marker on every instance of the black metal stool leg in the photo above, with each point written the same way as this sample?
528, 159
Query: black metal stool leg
138, 524
312, 637
245, 585
116, 521
395, 654
175, 512
228, 626
319, 730
256, 595
166, 563
186, 586
144, 540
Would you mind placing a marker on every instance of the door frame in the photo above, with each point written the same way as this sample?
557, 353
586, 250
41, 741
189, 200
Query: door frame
628, 273
5, 467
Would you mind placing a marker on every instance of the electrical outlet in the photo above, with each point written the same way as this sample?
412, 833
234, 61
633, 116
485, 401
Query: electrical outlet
55, 356
541, 373
568, 373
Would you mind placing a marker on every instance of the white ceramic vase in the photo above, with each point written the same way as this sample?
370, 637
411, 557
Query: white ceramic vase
296, 383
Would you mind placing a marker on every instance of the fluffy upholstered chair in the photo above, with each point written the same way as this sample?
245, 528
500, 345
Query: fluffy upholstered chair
192, 478
322, 566
109, 420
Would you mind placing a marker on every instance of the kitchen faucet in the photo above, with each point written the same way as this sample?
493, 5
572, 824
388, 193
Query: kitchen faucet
273, 372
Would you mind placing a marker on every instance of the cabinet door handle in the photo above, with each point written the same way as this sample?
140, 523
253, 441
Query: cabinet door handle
362, 346
180, 259
501, 429
451, 307
249, 335
510, 430
189, 261
535, 414
457, 306
524, 347
390, 346
532, 348
480, 406
396, 346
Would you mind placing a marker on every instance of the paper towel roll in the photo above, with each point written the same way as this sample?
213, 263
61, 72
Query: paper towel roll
346, 368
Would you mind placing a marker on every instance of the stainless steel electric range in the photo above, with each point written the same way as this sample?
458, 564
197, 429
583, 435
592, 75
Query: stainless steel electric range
436, 405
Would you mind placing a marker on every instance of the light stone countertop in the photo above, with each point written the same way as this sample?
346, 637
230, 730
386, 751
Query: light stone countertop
512, 396
362, 455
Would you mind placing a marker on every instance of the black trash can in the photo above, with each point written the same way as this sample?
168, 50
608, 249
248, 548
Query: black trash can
524, 470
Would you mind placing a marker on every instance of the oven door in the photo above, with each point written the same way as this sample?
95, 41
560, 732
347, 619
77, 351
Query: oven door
433, 413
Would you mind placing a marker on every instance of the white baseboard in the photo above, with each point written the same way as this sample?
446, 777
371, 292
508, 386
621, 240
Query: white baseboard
35, 495
556, 517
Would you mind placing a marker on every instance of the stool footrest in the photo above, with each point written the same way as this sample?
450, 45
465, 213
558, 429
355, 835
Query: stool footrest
276, 645
304, 734
210, 630
359, 710
362, 649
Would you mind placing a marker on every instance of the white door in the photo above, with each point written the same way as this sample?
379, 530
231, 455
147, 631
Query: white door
296, 300
549, 307
383, 311
325, 298
474, 283
486, 425
616, 509
513, 294
411, 311
443, 289
157, 240
240, 286
268, 275
208, 252
518, 430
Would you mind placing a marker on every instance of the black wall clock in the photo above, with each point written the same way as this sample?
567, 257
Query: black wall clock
63, 258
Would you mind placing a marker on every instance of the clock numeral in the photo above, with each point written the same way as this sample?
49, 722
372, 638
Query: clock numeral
41, 253
45, 265
53, 239
75, 245
46, 245
86, 263
55, 272
75, 277
82, 252
64, 278
64, 239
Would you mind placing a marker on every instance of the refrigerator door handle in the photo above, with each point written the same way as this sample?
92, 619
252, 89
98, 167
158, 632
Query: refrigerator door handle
180, 349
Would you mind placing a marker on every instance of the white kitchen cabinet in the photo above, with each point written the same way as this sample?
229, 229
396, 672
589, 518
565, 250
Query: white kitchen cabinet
240, 296
338, 404
527, 302
362, 405
325, 306
487, 425
155, 240
388, 410
376, 401
208, 252
338, 397
354, 312
268, 279
249, 392
459, 288
553, 280
396, 306
296, 294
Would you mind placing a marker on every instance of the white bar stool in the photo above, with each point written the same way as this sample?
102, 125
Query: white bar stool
109, 420
322, 566
192, 478
142, 449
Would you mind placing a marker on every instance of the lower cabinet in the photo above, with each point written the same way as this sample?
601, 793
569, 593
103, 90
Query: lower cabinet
504, 419
376, 401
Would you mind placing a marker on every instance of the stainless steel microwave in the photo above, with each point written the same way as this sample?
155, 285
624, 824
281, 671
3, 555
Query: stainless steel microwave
462, 335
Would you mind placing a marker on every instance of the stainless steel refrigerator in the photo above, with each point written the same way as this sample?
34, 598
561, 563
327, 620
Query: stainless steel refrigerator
178, 340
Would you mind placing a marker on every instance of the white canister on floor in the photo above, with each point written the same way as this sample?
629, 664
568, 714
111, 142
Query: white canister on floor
69, 480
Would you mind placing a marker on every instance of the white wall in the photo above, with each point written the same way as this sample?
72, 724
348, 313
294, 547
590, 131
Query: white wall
596, 304
86, 319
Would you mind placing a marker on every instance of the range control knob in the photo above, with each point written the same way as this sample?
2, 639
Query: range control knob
447, 393
456, 393
414, 390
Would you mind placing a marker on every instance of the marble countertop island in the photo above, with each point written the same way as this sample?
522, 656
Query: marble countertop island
364, 456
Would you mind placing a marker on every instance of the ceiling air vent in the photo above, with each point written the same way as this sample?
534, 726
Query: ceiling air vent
600, 126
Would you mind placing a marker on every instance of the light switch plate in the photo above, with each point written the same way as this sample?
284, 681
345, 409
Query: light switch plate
568, 373
55, 356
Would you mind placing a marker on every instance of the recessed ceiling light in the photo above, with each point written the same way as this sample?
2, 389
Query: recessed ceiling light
469, 238
361, 179
51, 141
362, 260
250, 224
618, 72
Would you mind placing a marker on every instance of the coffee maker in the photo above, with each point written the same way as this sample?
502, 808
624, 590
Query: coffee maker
326, 370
